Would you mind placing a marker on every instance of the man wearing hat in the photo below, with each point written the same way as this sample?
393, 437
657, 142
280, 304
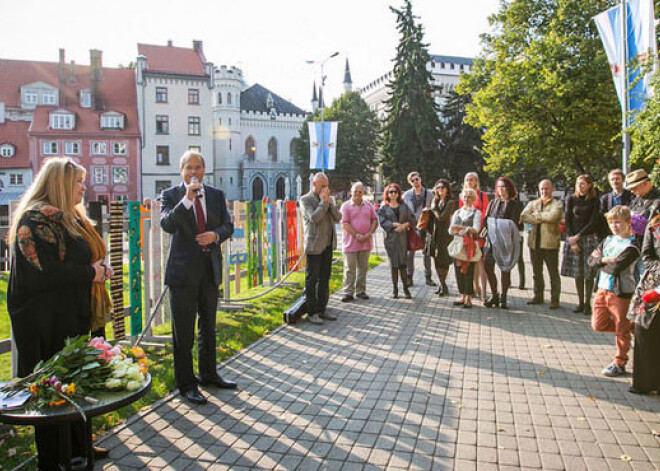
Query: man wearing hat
643, 207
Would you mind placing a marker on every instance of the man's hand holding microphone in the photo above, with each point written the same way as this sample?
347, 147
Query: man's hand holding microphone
194, 191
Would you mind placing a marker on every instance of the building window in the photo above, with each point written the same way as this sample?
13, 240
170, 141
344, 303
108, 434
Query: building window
219, 121
162, 124
230, 121
100, 175
219, 98
280, 187
119, 148
162, 185
7, 150
85, 98
121, 197
161, 94
15, 179
229, 98
193, 96
99, 148
72, 147
62, 121
31, 97
292, 147
120, 175
162, 155
197, 149
112, 122
272, 149
50, 148
231, 180
194, 125
250, 148
230, 144
49, 98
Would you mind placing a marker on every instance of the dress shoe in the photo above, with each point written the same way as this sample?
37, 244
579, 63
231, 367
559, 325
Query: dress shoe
347, 299
493, 301
217, 382
430, 282
100, 453
195, 397
327, 316
362, 296
535, 301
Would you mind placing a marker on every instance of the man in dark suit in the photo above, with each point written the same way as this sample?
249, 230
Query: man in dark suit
196, 216
619, 196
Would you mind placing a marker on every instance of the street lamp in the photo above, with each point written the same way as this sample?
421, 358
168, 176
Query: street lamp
321, 104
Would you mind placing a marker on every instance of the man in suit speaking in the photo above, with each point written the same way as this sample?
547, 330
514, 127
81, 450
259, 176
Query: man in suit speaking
196, 216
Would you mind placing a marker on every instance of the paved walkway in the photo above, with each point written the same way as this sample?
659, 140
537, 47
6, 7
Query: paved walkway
410, 384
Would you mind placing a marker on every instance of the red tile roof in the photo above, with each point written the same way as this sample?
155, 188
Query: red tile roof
173, 60
15, 133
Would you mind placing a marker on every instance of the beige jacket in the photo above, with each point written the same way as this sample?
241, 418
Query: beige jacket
319, 221
547, 221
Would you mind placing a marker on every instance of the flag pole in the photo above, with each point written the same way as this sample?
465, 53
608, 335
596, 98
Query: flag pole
625, 151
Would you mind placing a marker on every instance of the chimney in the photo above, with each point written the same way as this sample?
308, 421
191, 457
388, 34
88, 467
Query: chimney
2, 112
61, 69
96, 77
197, 45
72, 73
169, 43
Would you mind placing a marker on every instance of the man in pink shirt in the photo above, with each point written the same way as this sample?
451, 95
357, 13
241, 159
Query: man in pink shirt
359, 222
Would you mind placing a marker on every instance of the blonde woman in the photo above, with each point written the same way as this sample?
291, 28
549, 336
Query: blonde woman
471, 180
56, 284
466, 223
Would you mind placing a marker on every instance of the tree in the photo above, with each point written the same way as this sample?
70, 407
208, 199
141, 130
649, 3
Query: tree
357, 142
461, 143
411, 131
542, 91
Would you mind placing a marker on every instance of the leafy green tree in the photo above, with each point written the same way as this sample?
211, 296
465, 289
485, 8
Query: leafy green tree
411, 131
357, 142
542, 91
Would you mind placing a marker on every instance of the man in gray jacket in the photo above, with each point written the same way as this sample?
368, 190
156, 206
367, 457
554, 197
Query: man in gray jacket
418, 198
320, 215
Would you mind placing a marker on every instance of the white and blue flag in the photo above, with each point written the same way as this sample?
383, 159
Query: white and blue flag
322, 145
641, 44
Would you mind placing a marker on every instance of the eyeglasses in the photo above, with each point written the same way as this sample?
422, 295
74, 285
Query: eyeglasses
393, 191
417, 179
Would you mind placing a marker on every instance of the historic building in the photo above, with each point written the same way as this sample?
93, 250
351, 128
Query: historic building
86, 112
445, 70
254, 131
174, 89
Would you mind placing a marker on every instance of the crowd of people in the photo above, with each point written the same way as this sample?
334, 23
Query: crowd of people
611, 250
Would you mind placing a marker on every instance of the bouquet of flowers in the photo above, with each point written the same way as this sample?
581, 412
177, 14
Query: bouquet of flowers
81, 367
638, 223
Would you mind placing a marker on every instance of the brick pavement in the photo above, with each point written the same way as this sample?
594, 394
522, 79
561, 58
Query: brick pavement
410, 384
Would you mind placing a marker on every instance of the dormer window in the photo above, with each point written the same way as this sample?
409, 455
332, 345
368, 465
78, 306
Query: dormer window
31, 97
269, 101
7, 150
62, 119
112, 121
86, 98
49, 98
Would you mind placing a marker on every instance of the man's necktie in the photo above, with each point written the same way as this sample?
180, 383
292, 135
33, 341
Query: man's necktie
199, 216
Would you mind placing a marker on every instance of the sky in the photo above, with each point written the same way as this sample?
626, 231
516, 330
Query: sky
271, 41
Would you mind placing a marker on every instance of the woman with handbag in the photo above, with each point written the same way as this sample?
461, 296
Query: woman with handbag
396, 219
503, 224
438, 237
471, 180
465, 225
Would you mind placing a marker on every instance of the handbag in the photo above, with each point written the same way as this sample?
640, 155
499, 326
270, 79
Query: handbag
415, 242
424, 220
457, 250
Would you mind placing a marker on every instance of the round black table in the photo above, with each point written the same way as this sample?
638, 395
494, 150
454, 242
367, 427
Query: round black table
65, 415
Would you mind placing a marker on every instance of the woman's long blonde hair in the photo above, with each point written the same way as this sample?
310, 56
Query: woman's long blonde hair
476, 177
54, 185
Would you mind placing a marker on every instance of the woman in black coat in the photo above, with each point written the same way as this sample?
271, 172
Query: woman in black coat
439, 238
52, 279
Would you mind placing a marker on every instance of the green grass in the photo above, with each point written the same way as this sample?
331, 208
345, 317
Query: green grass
235, 331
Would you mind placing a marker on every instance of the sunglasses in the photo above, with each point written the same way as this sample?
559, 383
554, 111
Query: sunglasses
393, 191
416, 179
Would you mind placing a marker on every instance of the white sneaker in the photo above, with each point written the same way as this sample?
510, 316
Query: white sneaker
613, 369
315, 319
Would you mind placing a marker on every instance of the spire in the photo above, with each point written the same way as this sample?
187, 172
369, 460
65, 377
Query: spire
315, 100
321, 102
348, 83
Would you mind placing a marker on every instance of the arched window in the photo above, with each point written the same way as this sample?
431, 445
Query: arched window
292, 147
257, 189
219, 98
272, 149
280, 187
250, 148
229, 98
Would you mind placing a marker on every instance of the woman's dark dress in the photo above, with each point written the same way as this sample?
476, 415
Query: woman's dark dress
48, 299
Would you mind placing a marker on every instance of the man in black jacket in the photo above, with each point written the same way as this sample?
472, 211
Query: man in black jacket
643, 207
196, 216
619, 196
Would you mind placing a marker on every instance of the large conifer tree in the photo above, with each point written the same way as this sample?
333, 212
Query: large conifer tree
411, 131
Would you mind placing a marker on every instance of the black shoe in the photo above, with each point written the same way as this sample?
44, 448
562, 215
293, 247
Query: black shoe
195, 397
327, 316
100, 453
217, 382
503, 302
535, 301
522, 287
395, 294
439, 291
406, 293
493, 301
362, 296
347, 299
579, 308
430, 282
587, 310
467, 305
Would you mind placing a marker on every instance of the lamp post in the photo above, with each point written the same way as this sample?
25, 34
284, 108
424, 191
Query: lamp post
321, 104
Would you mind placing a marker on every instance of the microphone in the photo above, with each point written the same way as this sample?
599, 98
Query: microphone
198, 192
